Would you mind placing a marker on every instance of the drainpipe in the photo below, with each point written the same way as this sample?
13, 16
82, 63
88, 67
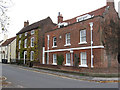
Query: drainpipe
91, 28
48, 48
43, 60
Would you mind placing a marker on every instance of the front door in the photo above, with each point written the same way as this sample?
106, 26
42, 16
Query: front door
25, 56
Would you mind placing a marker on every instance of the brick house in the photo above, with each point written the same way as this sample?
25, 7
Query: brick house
30, 40
86, 41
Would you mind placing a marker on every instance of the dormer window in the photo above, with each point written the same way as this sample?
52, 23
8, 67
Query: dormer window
32, 32
60, 25
84, 17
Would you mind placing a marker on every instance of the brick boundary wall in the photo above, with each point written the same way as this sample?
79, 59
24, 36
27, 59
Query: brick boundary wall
76, 69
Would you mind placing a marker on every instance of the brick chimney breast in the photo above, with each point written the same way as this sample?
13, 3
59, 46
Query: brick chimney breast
60, 18
110, 2
26, 23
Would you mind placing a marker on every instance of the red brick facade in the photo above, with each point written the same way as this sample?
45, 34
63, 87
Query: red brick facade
101, 19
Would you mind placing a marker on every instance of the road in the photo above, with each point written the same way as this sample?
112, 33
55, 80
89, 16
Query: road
21, 78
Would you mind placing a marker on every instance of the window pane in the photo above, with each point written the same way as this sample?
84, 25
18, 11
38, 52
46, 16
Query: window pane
68, 58
83, 58
54, 58
68, 38
83, 36
54, 41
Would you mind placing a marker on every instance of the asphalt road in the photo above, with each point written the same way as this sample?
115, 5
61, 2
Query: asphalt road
21, 78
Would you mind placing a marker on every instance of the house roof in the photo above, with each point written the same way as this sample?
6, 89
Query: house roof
98, 12
35, 25
8, 41
1, 41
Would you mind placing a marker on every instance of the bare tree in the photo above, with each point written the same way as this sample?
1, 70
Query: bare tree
4, 5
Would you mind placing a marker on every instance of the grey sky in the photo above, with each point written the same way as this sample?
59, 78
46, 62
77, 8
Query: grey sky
35, 10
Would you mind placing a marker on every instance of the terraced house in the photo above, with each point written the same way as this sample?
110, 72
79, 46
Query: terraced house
30, 40
86, 41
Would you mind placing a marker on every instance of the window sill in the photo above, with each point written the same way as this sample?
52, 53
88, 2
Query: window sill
82, 43
67, 64
54, 63
54, 46
83, 66
67, 45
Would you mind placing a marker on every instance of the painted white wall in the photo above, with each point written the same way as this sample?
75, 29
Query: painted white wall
10, 51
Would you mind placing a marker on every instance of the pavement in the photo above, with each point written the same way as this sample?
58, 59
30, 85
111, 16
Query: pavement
78, 77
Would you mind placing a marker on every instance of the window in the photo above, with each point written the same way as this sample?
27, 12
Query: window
84, 17
55, 59
19, 44
32, 42
32, 32
54, 42
18, 55
68, 59
83, 36
68, 39
83, 56
20, 36
32, 55
25, 33
25, 43
25, 56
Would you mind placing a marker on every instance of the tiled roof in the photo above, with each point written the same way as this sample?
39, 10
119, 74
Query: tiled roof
1, 41
35, 25
8, 41
98, 12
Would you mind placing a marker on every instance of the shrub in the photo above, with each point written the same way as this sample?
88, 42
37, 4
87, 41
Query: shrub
60, 60
20, 62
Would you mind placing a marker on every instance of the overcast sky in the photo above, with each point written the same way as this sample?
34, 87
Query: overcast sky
35, 10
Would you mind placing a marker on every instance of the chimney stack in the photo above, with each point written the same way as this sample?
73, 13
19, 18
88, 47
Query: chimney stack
110, 2
26, 23
60, 18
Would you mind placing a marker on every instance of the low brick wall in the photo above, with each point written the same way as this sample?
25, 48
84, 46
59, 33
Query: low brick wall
76, 69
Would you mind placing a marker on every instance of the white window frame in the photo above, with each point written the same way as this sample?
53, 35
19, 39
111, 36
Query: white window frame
54, 59
67, 63
82, 64
20, 35
54, 42
32, 41
32, 32
66, 39
19, 44
26, 33
31, 55
25, 43
81, 36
